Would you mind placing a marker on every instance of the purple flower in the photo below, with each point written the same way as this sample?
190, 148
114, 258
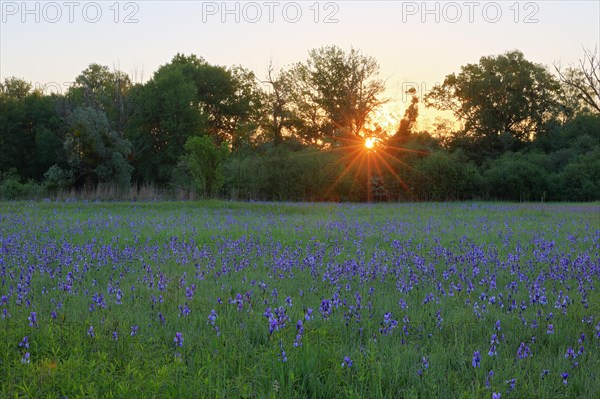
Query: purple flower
239, 301
282, 355
212, 317
534, 324
564, 377
178, 340
25, 359
570, 353
115, 336
425, 362
97, 301
403, 304
347, 362
511, 384
184, 310
90, 332
325, 308
299, 332
134, 330
475, 362
189, 291
308, 316
388, 324
488, 379
24, 343
32, 319
277, 318
496, 395
544, 373
523, 351
550, 329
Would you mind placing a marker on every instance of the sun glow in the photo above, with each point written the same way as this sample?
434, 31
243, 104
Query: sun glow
369, 142
383, 121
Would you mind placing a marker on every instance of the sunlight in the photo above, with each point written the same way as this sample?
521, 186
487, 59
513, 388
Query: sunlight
386, 120
368, 159
369, 142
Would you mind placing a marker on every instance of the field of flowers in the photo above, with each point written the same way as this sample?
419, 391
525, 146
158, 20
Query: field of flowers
228, 300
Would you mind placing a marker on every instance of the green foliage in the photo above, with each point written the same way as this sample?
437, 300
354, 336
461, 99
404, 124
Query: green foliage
94, 151
30, 133
523, 137
503, 101
185, 98
165, 115
580, 180
333, 93
283, 173
56, 178
575, 133
11, 188
515, 176
204, 161
446, 177
15, 88
100, 88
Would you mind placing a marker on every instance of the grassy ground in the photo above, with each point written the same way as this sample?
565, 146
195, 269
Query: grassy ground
224, 299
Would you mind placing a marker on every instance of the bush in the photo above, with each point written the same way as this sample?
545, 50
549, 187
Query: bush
57, 179
279, 173
12, 189
447, 177
580, 180
516, 176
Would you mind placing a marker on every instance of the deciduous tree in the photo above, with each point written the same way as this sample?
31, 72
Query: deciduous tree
95, 152
333, 94
584, 79
503, 101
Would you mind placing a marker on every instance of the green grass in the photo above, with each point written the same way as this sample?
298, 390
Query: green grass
309, 252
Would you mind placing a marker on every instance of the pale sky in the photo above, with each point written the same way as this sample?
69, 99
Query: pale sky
50, 43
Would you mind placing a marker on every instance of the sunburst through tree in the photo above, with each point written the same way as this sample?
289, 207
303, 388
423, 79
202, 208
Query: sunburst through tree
370, 162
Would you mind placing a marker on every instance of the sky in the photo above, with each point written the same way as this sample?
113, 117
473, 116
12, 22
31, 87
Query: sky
416, 43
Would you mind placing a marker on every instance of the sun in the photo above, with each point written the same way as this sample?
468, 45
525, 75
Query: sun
369, 142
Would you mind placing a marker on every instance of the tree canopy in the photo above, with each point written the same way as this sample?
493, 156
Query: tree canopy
300, 132
334, 93
503, 101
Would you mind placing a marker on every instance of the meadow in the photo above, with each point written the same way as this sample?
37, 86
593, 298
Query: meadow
278, 300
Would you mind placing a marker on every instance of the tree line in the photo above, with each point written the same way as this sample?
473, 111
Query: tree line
523, 132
